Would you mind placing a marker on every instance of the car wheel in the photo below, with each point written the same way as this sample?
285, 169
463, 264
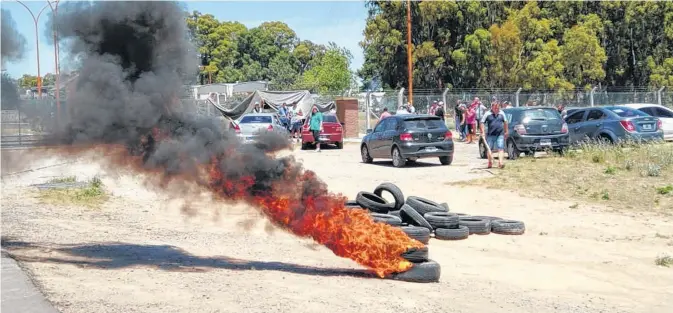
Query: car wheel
512, 151
366, 158
304, 146
562, 151
340, 145
482, 150
446, 160
398, 160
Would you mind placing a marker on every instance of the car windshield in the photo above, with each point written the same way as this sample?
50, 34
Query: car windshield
256, 119
541, 115
423, 123
626, 112
329, 119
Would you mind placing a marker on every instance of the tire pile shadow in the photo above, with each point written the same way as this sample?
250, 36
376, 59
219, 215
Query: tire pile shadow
115, 255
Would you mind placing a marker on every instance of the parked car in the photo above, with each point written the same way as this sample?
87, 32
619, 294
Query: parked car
612, 124
249, 126
664, 114
408, 137
332, 133
533, 129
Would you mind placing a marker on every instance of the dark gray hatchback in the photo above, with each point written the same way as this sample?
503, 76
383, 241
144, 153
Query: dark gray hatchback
533, 129
409, 137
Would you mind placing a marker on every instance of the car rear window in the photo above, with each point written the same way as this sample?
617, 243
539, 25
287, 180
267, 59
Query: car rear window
329, 119
627, 112
542, 114
258, 119
423, 123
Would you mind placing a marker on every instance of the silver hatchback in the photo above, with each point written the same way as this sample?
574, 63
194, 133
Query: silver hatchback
249, 126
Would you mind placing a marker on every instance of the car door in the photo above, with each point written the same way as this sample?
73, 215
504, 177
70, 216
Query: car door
593, 123
376, 139
666, 117
574, 121
388, 137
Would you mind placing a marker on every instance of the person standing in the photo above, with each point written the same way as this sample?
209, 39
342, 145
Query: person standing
471, 121
257, 108
439, 111
411, 108
496, 122
315, 126
458, 118
384, 114
296, 121
283, 115
402, 110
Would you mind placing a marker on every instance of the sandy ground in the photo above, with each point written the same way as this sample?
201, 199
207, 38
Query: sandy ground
141, 253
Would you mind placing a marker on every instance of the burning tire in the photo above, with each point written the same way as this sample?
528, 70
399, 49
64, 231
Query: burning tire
415, 255
394, 191
423, 206
426, 272
476, 225
508, 227
442, 219
421, 234
373, 202
462, 232
410, 216
352, 204
386, 218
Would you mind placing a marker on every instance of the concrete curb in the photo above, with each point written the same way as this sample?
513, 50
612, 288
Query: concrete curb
19, 294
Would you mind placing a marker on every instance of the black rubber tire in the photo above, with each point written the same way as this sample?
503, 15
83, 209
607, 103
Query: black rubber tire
416, 255
490, 218
424, 206
410, 216
395, 213
442, 219
445, 205
460, 215
421, 234
393, 190
462, 232
508, 227
482, 149
426, 272
398, 159
446, 160
352, 204
339, 145
476, 225
512, 152
364, 153
386, 219
373, 202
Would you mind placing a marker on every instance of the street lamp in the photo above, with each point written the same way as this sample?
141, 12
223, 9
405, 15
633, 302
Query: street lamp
57, 68
37, 43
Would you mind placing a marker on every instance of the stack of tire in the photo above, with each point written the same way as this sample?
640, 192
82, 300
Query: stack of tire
420, 218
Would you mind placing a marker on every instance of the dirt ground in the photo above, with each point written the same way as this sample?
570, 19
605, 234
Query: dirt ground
141, 253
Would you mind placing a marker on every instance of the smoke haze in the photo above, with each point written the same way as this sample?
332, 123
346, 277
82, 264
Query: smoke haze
13, 46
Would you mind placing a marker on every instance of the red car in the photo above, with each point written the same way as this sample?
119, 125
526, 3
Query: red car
333, 132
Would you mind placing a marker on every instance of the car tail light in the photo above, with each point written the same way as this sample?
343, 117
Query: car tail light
522, 129
448, 135
628, 126
406, 137
270, 127
338, 128
659, 125
564, 128
237, 129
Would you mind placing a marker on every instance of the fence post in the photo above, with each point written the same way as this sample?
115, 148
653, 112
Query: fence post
516, 96
444, 98
591, 96
659, 102
400, 98
367, 126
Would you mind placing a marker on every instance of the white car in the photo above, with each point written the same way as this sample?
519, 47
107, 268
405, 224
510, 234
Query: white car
663, 113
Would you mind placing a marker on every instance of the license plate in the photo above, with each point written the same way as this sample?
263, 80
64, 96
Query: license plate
323, 138
647, 126
545, 142
431, 149
249, 138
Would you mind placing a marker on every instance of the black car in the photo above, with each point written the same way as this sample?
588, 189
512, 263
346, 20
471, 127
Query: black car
408, 137
533, 129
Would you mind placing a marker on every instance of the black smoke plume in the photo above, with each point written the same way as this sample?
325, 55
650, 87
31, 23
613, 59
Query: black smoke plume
135, 57
13, 46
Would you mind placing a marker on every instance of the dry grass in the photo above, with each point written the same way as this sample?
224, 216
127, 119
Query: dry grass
68, 179
623, 177
92, 195
664, 260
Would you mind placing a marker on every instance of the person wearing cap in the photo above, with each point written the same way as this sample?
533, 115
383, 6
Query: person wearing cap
257, 108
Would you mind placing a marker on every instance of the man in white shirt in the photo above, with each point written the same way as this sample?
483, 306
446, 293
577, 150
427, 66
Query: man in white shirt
402, 110
412, 110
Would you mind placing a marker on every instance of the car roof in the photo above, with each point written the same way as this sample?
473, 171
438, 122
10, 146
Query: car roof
528, 108
259, 114
414, 116
641, 105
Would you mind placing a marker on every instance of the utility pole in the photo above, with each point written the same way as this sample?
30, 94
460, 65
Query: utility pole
409, 61
57, 66
37, 43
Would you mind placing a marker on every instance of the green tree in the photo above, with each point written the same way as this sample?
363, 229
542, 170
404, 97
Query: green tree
331, 74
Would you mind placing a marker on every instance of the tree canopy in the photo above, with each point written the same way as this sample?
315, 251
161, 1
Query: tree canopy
231, 52
535, 45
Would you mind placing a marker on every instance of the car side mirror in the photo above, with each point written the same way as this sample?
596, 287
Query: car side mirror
369, 131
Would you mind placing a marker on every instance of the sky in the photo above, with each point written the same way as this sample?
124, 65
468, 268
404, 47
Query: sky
319, 21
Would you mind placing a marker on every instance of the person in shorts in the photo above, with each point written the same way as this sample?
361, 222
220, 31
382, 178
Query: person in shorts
315, 126
496, 122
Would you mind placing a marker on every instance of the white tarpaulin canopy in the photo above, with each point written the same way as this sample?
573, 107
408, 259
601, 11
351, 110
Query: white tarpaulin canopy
273, 100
